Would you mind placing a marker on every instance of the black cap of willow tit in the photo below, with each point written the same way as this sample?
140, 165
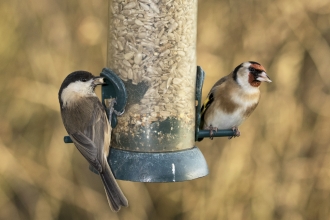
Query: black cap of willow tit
85, 120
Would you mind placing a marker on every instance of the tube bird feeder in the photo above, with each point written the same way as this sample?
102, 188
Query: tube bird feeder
152, 48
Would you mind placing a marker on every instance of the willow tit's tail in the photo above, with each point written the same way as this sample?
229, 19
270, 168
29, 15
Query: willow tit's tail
115, 196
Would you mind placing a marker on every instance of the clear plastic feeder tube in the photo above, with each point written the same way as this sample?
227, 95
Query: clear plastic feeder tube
152, 47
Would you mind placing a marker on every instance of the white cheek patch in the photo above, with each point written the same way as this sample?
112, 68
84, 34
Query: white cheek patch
67, 97
75, 91
243, 81
243, 75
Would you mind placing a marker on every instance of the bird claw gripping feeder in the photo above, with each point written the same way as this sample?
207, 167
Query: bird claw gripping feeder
152, 54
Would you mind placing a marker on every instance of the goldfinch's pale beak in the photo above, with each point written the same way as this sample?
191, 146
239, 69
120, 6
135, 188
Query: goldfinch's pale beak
98, 81
262, 77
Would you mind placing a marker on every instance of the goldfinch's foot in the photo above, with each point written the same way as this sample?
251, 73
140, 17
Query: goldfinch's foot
212, 129
237, 133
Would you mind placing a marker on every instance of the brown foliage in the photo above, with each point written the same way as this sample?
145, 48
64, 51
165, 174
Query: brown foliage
278, 169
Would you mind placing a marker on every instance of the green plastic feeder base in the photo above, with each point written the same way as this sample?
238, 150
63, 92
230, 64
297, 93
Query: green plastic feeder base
173, 166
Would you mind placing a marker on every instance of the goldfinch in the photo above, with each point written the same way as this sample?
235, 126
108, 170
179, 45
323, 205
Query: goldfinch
233, 98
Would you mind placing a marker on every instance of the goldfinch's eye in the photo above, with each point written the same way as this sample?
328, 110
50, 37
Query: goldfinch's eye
84, 80
252, 69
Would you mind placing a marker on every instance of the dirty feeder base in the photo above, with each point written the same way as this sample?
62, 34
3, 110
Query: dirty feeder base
173, 166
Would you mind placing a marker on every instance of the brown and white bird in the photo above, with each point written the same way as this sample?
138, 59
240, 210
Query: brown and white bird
85, 120
233, 98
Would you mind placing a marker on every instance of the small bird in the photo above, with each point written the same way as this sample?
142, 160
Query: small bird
85, 120
233, 98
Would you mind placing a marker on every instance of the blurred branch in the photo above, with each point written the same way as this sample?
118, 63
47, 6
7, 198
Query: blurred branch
308, 35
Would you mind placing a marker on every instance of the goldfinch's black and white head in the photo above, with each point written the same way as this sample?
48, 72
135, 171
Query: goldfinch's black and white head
250, 74
77, 85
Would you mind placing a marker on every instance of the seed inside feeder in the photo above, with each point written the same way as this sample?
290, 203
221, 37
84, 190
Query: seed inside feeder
152, 47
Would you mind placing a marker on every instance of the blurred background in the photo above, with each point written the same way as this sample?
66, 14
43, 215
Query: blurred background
278, 169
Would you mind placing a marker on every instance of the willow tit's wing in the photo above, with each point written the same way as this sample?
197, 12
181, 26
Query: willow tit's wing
86, 147
94, 145
115, 197
93, 138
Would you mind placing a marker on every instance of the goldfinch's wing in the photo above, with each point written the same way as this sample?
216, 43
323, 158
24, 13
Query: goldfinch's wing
210, 97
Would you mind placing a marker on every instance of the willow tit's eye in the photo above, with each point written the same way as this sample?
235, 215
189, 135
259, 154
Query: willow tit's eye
84, 80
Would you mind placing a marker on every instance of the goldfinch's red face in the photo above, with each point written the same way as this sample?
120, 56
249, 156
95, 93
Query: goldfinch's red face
257, 74
251, 74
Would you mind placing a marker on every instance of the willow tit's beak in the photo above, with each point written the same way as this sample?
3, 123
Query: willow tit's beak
98, 81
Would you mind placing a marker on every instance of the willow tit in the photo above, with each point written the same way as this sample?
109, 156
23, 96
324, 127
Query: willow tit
85, 120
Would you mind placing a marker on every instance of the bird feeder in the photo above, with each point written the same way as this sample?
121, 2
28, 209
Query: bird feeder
152, 75
152, 48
